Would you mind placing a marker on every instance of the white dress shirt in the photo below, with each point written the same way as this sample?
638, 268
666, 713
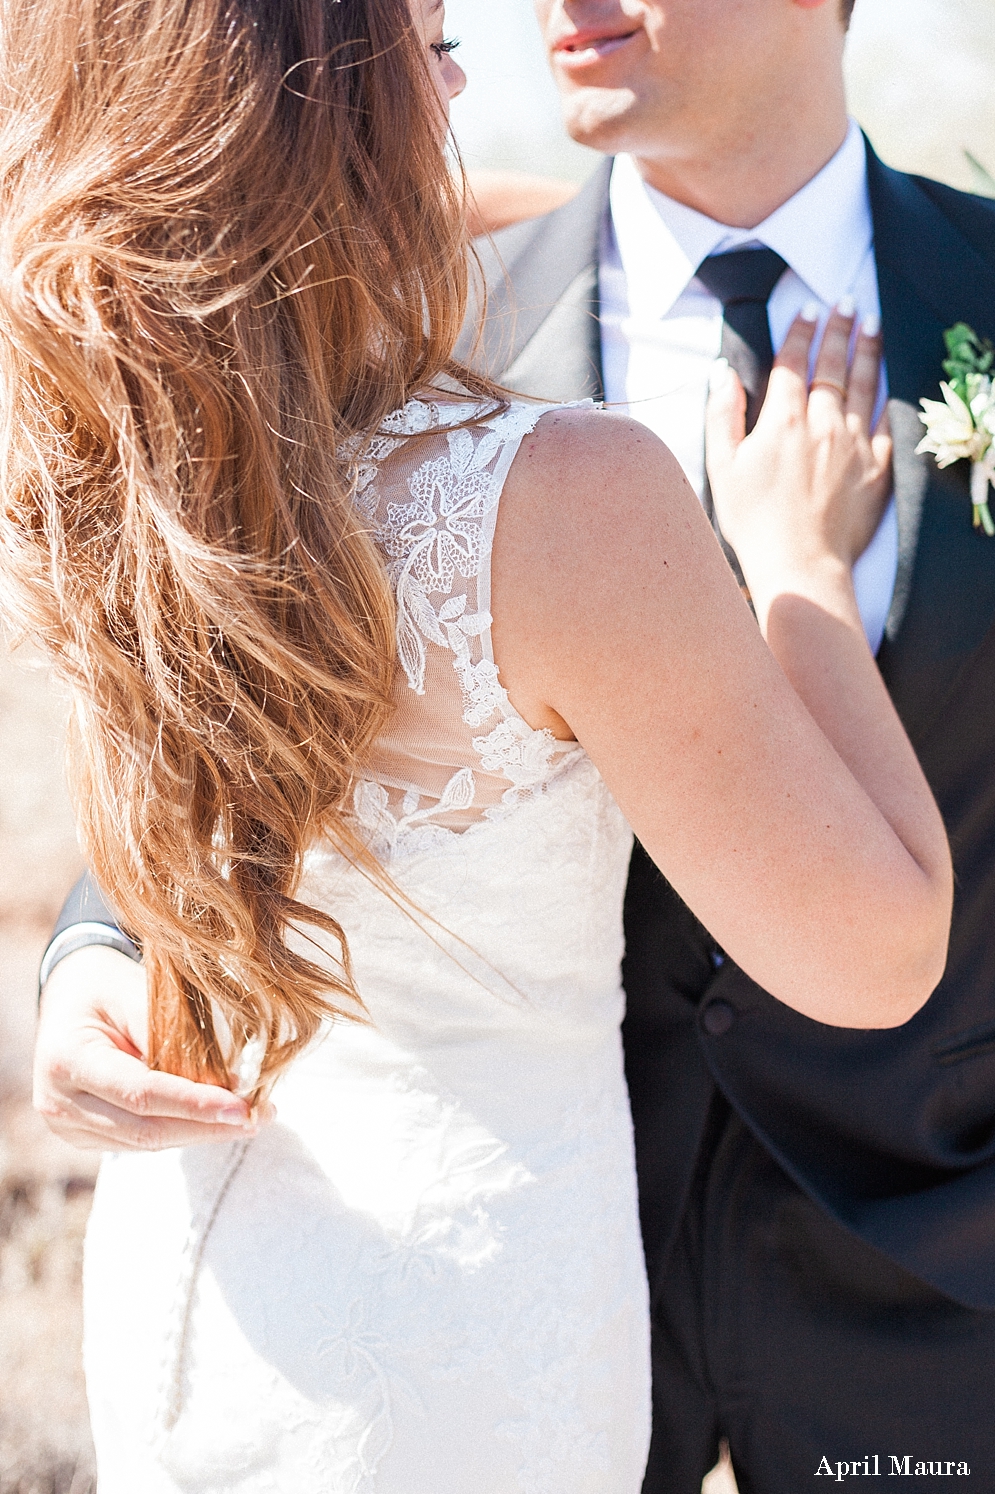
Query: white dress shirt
661, 330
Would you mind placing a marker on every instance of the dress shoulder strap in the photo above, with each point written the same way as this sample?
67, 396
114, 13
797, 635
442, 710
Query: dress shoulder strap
438, 536
429, 485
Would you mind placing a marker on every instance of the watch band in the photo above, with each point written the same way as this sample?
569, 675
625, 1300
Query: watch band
81, 936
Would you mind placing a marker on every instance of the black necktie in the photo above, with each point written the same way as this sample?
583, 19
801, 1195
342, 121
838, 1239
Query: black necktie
743, 282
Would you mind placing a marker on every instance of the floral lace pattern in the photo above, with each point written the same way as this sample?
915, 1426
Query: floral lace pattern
442, 533
436, 535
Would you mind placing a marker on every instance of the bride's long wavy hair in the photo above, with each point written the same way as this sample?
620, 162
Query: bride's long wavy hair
229, 242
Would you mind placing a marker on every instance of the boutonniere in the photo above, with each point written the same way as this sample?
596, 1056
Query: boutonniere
963, 426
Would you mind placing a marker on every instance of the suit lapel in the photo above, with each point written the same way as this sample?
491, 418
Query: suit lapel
541, 336
929, 277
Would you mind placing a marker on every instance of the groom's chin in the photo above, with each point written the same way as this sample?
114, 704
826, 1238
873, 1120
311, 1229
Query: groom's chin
604, 119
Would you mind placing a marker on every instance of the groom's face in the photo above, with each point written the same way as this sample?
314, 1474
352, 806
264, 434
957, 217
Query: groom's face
647, 76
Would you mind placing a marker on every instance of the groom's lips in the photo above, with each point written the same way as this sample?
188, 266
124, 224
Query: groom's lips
582, 49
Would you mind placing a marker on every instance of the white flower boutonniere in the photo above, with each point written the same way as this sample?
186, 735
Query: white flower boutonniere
963, 425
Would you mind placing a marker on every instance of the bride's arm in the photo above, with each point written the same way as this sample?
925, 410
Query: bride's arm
774, 787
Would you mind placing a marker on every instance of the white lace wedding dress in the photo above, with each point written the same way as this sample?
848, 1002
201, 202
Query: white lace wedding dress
426, 1276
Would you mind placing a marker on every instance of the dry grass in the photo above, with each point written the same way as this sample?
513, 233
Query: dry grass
45, 1192
45, 1187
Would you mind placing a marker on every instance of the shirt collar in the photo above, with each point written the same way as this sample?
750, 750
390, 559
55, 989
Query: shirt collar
823, 232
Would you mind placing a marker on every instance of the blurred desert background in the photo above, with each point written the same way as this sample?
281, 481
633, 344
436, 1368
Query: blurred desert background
922, 82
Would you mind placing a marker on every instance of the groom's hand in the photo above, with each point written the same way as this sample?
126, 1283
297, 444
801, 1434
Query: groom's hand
91, 1082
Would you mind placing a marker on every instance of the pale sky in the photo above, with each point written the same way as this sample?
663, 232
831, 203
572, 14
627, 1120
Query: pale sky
921, 75
509, 115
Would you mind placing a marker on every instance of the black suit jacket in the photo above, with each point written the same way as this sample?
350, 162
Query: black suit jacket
892, 1132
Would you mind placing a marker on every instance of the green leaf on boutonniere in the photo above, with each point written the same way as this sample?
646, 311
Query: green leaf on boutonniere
969, 354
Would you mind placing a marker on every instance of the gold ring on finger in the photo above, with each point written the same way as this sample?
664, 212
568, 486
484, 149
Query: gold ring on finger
839, 389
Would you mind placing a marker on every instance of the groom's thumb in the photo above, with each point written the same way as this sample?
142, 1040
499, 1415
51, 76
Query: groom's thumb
725, 417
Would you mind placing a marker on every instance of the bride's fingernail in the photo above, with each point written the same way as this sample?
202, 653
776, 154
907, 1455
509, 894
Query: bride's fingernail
810, 311
872, 325
846, 306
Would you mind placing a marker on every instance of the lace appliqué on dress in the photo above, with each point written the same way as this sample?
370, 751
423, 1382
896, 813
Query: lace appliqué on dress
416, 827
441, 533
437, 543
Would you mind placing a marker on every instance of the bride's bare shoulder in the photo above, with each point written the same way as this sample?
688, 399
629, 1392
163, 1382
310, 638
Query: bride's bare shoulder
583, 462
594, 517
598, 534
590, 438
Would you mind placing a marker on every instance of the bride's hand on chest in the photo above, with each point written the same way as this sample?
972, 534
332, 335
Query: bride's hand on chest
803, 494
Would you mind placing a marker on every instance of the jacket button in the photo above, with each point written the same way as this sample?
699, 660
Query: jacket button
717, 1018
